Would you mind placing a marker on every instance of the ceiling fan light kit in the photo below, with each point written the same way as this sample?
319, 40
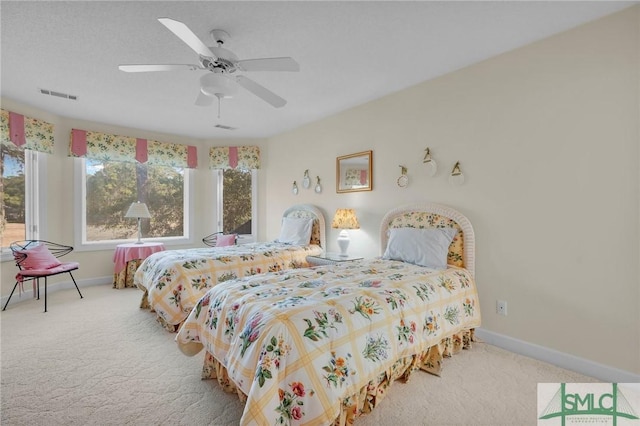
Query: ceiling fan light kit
221, 65
218, 85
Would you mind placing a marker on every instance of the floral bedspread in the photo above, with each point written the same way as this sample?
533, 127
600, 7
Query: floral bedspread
298, 342
174, 280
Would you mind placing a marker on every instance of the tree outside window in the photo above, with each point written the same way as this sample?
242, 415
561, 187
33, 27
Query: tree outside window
237, 201
112, 186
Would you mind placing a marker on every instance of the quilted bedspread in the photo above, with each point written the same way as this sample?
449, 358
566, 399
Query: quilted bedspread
298, 342
174, 280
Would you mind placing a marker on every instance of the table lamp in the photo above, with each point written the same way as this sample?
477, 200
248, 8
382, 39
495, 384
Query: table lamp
138, 210
344, 219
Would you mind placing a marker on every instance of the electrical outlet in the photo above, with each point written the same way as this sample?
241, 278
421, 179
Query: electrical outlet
501, 307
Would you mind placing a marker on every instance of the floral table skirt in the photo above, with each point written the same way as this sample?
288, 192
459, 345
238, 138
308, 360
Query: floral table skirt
125, 277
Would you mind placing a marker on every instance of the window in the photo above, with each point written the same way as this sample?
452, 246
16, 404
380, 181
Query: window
20, 195
109, 188
237, 203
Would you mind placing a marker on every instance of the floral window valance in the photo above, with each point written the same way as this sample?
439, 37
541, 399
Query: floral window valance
25, 132
234, 157
106, 147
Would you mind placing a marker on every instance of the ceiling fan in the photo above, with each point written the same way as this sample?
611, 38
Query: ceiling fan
221, 81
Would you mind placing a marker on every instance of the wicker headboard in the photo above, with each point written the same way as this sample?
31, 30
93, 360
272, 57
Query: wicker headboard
318, 231
430, 215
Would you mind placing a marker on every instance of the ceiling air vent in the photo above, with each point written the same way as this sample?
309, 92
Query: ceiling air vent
222, 126
58, 94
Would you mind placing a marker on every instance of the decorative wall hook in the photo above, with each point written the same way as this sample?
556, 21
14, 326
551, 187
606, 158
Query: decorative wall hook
318, 187
306, 181
294, 188
457, 177
432, 166
403, 180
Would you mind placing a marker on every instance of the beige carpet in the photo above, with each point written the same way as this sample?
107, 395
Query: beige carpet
103, 361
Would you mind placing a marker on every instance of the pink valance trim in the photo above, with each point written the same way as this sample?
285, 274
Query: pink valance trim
233, 157
16, 129
141, 150
192, 157
79, 142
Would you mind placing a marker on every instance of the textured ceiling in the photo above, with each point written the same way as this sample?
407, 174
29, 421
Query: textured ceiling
350, 52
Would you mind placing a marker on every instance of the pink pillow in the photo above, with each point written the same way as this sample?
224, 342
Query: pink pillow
226, 240
39, 257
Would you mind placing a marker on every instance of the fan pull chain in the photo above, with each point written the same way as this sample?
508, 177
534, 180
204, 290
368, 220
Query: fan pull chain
218, 106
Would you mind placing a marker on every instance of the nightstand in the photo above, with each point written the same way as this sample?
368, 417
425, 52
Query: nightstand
127, 258
331, 259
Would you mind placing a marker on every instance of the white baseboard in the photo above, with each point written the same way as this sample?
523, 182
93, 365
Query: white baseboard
563, 360
27, 294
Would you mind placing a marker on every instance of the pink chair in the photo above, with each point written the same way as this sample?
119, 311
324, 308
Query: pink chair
37, 259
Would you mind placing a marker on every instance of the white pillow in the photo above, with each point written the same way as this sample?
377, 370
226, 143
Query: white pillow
425, 247
296, 231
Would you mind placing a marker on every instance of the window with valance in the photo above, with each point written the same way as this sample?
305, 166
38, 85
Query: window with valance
234, 157
106, 147
25, 132
22, 139
237, 172
119, 170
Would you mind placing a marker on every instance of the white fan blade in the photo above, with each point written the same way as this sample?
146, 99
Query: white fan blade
185, 34
204, 100
269, 64
149, 68
261, 92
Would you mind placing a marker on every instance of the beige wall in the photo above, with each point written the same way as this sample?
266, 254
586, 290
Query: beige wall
548, 137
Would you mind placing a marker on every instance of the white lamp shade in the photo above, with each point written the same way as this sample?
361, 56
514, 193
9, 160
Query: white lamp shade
138, 210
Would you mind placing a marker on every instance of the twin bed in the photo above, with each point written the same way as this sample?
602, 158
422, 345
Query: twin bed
174, 280
322, 345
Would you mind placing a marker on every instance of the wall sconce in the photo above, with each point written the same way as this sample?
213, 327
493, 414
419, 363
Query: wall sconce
403, 180
294, 188
430, 163
306, 181
318, 187
457, 177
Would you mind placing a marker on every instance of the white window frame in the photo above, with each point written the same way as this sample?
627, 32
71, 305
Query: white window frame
80, 235
247, 238
34, 198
